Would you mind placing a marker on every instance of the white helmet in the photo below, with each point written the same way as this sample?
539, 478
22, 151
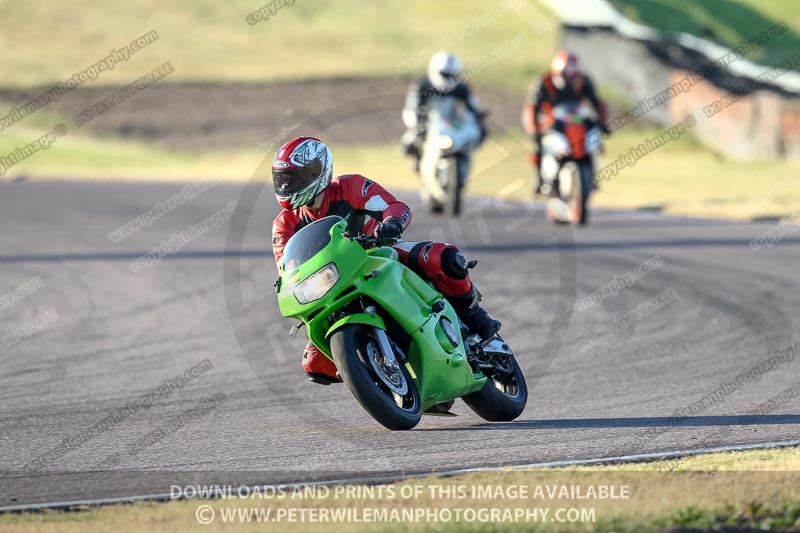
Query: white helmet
444, 71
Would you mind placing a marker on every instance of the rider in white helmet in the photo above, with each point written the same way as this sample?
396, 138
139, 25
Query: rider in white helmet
444, 71
443, 87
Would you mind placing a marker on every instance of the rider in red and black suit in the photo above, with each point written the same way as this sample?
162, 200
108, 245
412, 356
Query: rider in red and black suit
302, 173
565, 82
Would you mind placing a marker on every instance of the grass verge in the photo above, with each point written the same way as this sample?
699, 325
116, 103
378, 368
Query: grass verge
82, 157
757, 489
212, 41
681, 177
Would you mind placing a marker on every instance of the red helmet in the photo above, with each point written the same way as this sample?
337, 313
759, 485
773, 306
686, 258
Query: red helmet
302, 168
564, 68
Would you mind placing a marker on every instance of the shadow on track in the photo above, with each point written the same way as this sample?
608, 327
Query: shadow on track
621, 245
636, 422
515, 246
126, 256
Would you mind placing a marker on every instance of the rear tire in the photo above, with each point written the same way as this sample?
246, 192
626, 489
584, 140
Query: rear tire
502, 398
351, 346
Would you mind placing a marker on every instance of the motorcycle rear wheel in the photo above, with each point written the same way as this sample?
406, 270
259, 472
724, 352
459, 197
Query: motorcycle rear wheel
581, 188
355, 352
502, 398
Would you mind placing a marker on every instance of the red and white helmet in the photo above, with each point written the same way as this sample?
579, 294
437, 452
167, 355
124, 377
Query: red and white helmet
302, 168
564, 68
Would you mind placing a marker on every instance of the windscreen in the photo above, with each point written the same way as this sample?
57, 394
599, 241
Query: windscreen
308, 242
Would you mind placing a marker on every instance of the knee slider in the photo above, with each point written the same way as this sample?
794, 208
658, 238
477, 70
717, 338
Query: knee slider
454, 265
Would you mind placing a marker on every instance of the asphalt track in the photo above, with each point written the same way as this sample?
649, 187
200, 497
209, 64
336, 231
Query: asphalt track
115, 335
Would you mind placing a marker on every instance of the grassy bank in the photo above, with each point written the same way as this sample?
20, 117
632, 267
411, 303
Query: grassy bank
757, 489
727, 22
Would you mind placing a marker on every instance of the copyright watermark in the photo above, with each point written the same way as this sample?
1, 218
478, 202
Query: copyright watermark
402, 503
205, 514
267, 11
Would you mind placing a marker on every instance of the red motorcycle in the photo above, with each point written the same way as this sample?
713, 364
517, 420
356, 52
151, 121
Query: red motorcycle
569, 152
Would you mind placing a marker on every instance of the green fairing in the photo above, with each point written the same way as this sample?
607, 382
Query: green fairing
440, 371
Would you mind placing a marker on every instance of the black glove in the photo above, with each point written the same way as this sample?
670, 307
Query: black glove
411, 149
484, 134
481, 117
390, 229
604, 128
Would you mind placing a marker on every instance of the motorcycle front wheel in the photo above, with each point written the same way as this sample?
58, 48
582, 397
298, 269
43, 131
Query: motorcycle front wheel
453, 188
388, 394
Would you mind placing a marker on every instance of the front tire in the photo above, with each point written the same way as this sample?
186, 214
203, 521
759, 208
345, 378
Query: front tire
585, 178
355, 352
453, 189
503, 397
436, 207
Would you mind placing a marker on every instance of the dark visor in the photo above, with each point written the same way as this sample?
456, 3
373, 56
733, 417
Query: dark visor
289, 181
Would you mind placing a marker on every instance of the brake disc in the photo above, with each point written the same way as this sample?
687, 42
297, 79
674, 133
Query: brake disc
391, 377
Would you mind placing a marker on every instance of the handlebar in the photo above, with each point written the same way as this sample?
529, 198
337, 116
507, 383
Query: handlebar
368, 241
355, 223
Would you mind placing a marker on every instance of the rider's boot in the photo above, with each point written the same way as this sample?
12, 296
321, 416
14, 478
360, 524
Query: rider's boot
318, 367
473, 315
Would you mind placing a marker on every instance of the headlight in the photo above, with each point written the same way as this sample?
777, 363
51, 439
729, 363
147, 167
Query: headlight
445, 142
317, 284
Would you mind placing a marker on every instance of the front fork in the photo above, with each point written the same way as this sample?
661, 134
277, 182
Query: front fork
383, 342
554, 183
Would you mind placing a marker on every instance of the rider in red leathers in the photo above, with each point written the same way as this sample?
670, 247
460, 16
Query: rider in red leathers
302, 173
565, 82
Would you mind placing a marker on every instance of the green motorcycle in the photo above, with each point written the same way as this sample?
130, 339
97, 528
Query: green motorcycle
398, 344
